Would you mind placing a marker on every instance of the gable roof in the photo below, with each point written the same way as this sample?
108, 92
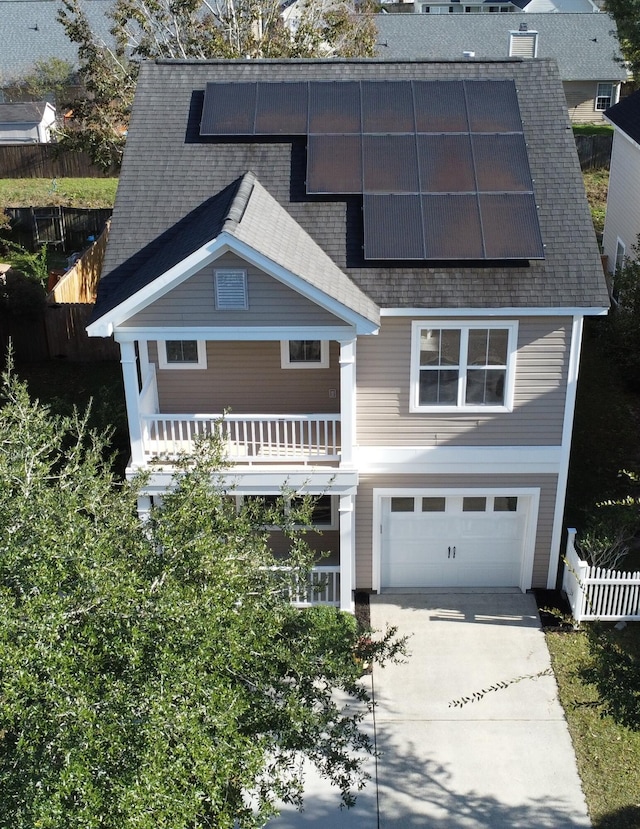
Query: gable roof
24, 113
30, 32
626, 116
170, 173
584, 45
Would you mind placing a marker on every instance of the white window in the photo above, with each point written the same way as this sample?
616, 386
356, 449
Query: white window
304, 354
231, 290
468, 366
620, 256
604, 97
182, 354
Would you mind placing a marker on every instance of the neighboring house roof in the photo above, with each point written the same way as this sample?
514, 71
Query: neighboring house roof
30, 32
25, 113
584, 45
626, 116
175, 184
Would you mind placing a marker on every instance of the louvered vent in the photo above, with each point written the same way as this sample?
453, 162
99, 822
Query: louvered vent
231, 290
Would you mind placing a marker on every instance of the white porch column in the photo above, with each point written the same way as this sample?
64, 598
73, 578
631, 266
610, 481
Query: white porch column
143, 356
347, 401
347, 552
132, 398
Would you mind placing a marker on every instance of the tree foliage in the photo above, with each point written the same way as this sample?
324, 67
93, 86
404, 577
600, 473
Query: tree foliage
198, 29
53, 76
153, 674
626, 14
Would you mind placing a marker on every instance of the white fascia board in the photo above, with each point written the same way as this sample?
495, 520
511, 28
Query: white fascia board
231, 333
622, 133
160, 286
301, 286
475, 460
592, 311
312, 481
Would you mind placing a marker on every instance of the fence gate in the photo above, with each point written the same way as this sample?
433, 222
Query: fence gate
48, 225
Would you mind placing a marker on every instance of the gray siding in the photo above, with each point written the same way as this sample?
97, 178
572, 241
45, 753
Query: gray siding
581, 101
193, 304
623, 199
246, 378
383, 371
364, 512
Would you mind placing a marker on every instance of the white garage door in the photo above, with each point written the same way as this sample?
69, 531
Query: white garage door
453, 540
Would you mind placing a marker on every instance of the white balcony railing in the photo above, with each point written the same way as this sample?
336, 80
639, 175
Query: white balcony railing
322, 587
259, 438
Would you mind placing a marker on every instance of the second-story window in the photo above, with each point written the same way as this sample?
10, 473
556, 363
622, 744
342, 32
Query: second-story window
304, 354
458, 366
604, 98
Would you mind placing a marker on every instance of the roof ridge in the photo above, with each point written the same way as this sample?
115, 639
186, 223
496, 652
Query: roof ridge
239, 202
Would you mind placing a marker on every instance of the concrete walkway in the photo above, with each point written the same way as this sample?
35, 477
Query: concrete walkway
504, 760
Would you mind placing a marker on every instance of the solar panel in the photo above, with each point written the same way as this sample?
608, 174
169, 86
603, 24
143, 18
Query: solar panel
387, 107
334, 106
281, 109
393, 227
440, 106
445, 164
229, 109
492, 106
510, 224
501, 163
334, 164
390, 164
452, 227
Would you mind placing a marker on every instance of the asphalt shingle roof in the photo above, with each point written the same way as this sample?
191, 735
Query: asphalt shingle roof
584, 45
30, 32
626, 115
26, 113
169, 172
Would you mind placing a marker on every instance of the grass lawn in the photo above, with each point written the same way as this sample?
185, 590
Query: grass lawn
592, 129
598, 674
65, 192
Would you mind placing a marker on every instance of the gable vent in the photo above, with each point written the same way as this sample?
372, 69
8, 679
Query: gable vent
523, 44
231, 290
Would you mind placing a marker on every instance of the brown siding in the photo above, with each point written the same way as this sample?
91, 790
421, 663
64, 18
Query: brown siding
364, 512
383, 369
322, 543
246, 378
270, 303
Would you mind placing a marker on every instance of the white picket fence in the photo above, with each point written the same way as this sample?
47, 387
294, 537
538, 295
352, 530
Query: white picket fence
598, 593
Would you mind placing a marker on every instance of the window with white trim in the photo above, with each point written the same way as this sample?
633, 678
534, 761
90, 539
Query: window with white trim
181, 354
620, 256
462, 366
231, 289
604, 96
304, 354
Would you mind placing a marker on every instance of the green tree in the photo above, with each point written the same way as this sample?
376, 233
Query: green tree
626, 14
199, 29
153, 674
54, 76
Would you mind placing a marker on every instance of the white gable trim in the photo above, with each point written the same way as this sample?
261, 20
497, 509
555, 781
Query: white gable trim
234, 332
494, 312
199, 259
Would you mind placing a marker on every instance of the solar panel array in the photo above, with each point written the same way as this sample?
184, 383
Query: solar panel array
442, 165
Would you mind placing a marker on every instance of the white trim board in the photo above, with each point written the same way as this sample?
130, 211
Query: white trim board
477, 460
532, 493
455, 313
236, 333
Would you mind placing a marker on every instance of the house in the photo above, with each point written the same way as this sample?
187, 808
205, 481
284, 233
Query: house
27, 123
31, 33
585, 47
493, 6
379, 271
622, 222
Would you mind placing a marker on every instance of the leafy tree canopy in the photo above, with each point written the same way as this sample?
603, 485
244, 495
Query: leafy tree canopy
154, 674
54, 76
626, 14
200, 29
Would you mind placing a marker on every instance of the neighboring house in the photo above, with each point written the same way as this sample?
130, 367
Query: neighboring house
584, 45
30, 32
622, 222
493, 6
380, 272
27, 123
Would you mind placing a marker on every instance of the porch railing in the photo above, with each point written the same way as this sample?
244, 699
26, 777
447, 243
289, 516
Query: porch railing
259, 438
322, 587
598, 593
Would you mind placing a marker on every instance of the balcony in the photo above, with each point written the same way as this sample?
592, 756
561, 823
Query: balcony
298, 439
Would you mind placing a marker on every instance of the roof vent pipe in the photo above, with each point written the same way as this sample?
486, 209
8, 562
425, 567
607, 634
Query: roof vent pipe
467, 54
523, 27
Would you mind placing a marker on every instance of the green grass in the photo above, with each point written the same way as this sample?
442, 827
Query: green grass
65, 192
592, 129
598, 675
596, 183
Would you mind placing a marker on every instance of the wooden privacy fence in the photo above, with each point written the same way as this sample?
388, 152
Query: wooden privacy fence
64, 228
594, 151
598, 593
47, 161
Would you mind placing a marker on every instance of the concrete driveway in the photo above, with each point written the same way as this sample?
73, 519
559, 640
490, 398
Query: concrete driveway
503, 760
